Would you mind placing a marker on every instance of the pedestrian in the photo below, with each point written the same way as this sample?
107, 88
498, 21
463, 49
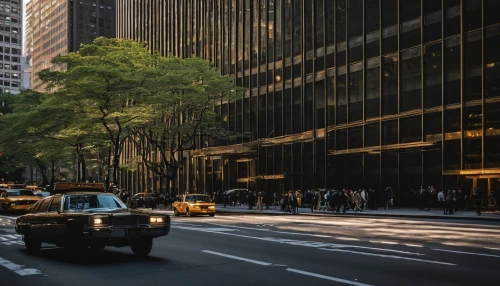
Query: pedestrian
478, 199
442, 204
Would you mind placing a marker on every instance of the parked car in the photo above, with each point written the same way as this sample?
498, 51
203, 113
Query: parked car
194, 204
17, 200
142, 200
81, 215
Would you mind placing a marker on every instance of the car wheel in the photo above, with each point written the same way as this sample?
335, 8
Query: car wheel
176, 212
32, 244
142, 247
212, 215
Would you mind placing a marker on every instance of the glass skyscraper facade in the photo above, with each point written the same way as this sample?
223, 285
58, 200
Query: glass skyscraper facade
340, 93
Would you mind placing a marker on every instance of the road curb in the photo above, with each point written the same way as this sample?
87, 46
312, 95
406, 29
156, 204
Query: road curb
361, 215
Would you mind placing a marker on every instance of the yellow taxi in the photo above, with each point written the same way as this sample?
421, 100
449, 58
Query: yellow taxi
17, 200
194, 204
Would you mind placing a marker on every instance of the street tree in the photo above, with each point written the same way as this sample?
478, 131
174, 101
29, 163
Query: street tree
183, 94
105, 82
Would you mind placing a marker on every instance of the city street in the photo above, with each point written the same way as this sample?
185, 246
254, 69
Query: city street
272, 250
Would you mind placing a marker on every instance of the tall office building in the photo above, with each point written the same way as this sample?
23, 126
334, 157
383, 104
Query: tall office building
58, 27
10, 45
341, 93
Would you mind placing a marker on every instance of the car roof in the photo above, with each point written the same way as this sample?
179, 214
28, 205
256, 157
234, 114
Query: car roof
86, 193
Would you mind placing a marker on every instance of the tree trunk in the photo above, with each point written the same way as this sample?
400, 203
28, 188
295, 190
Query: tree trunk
52, 176
42, 169
116, 162
106, 183
82, 167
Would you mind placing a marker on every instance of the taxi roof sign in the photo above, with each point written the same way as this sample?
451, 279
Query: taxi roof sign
68, 187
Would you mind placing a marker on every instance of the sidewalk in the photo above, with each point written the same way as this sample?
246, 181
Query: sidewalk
396, 212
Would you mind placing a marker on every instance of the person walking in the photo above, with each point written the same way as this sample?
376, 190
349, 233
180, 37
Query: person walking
442, 204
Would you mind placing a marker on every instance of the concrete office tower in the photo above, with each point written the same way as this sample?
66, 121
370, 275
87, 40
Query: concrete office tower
58, 27
10, 45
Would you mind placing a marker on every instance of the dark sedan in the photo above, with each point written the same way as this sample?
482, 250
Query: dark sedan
86, 218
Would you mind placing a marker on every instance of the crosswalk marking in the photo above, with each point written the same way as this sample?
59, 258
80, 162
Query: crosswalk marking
11, 239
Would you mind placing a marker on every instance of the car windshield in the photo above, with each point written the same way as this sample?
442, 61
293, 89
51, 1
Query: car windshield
17, 193
203, 199
92, 201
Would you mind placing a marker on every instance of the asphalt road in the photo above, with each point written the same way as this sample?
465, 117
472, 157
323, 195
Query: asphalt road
275, 250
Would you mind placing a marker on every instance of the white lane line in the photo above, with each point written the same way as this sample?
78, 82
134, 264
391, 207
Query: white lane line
414, 245
492, 248
274, 231
390, 256
237, 258
19, 269
326, 277
470, 253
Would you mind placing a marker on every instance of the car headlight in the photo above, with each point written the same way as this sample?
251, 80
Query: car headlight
155, 219
97, 221
13, 204
211, 207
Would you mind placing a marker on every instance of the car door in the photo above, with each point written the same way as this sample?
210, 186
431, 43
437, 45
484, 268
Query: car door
54, 220
38, 219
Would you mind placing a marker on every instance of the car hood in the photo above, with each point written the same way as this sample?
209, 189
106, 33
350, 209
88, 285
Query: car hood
113, 211
203, 204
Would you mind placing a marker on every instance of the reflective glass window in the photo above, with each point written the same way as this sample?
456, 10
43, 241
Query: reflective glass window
330, 93
492, 62
278, 113
451, 17
308, 107
432, 20
411, 129
473, 66
341, 20
492, 138
341, 139
356, 92
279, 30
270, 33
372, 101
330, 22
410, 34
372, 46
432, 123
411, 80
433, 75
410, 9
491, 8
452, 120
263, 31
355, 50
355, 139
473, 123
287, 111
355, 18
319, 17
372, 15
341, 96
389, 40
308, 27
341, 53
452, 70
389, 13
262, 116
255, 34
472, 14
390, 84
271, 131
297, 27
288, 28
390, 132
452, 155
246, 60
372, 134
319, 96
297, 109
